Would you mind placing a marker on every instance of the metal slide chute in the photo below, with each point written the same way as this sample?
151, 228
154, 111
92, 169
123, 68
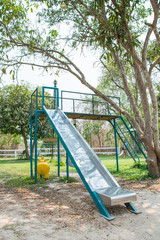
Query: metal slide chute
101, 185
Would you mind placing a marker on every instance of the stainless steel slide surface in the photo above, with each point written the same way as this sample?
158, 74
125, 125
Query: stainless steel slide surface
86, 161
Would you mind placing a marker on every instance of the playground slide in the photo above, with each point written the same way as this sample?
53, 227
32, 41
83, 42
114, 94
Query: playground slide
101, 185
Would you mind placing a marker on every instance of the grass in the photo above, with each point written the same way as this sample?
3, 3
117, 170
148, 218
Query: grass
128, 169
67, 180
16, 173
11, 168
26, 182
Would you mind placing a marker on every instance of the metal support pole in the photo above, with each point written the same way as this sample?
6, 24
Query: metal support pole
55, 83
42, 97
67, 165
108, 109
62, 100
93, 104
55, 93
115, 136
130, 206
59, 156
35, 160
36, 98
31, 150
73, 105
57, 98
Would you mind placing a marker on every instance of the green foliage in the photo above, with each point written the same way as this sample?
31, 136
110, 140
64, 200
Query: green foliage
7, 140
95, 131
89, 26
87, 132
13, 19
62, 163
111, 83
110, 136
15, 109
153, 52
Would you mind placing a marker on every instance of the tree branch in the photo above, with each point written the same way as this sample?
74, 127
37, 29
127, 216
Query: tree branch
136, 111
153, 65
119, 86
144, 51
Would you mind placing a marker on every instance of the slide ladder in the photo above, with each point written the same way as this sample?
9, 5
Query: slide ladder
130, 138
101, 185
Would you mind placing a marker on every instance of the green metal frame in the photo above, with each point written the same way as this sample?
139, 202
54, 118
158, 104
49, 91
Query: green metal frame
91, 99
53, 107
34, 116
67, 165
129, 147
31, 150
115, 136
140, 148
59, 156
130, 206
96, 198
35, 113
124, 139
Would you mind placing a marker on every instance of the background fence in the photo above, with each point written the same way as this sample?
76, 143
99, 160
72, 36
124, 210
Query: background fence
17, 153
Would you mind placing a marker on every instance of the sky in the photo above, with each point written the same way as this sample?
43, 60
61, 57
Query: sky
65, 81
87, 63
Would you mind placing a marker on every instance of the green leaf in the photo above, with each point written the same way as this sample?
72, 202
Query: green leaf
4, 71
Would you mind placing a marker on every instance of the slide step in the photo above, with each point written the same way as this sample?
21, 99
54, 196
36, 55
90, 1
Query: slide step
114, 195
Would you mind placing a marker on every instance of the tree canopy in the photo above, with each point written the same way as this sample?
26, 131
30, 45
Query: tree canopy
126, 32
9, 140
15, 111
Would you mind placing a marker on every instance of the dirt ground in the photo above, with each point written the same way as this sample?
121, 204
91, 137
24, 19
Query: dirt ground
66, 211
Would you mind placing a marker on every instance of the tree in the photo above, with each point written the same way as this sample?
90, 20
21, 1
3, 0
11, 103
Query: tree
120, 29
97, 131
15, 111
87, 132
92, 129
8, 140
110, 83
158, 97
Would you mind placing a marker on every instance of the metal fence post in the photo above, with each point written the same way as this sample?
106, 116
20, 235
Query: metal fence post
35, 160
115, 136
31, 150
59, 155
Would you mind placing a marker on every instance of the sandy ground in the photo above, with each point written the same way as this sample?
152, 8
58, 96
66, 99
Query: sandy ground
66, 211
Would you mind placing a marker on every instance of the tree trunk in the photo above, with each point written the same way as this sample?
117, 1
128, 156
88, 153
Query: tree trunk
153, 167
25, 142
152, 159
99, 140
